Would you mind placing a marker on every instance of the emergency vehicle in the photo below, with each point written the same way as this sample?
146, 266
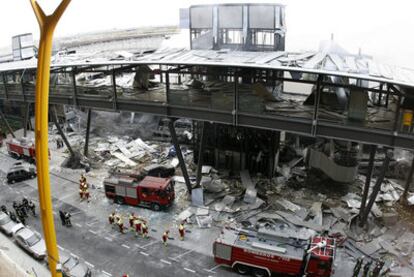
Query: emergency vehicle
152, 192
21, 149
263, 252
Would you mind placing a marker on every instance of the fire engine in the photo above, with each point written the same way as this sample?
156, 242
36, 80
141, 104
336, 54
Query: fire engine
152, 192
262, 252
21, 149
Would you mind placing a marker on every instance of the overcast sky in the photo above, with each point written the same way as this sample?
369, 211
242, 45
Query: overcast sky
380, 28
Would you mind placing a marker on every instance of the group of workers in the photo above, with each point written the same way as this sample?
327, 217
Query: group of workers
366, 270
139, 225
21, 210
136, 223
83, 188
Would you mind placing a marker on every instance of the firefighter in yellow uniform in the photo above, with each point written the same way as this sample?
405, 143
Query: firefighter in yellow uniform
120, 224
165, 237
181, 230
131, 219
144, 229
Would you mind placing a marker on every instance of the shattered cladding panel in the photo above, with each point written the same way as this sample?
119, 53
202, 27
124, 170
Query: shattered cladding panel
231, 17
336, 172
201, 17
261, 17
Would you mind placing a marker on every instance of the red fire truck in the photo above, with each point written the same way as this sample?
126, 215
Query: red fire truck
261, 253
21, 149
152, 192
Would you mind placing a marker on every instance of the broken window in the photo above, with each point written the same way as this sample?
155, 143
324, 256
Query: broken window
231, 36
262, 37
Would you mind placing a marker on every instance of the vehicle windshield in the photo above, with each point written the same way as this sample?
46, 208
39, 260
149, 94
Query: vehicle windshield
5, 220
32, 240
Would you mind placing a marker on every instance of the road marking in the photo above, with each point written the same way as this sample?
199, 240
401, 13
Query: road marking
92, 223
77, 224
73, 255
179, 256
209, 271
145, 254
61, 248
126, 246
89, 264
189, 270
212, 269
174, 259
93, 232
104, 272
151, 243
108, 239
165, 262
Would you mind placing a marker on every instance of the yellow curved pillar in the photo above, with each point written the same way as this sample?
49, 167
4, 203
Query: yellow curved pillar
47, 24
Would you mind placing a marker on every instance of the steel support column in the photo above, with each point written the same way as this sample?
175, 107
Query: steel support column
7, 124
368, 177
179, 155
115, 96
408, 182
60, 131
200, 154
75, 89
5, 85
316, 102
236, 99
376, 188
26, 119
88, 126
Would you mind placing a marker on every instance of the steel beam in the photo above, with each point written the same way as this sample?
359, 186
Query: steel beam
88, 126
296, 125
60, 131
376, 189
7, 124
200, 154
368, 176
179, 155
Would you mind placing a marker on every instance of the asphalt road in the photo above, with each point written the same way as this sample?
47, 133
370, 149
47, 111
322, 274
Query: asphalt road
104, 249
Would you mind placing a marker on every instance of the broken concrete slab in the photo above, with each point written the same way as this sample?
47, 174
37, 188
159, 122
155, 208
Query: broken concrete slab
410, 200
390, 218
197, 197
225, 204
288, 205
298, 222
187, 213
342, 213
202, 211
204, 221
124, 158
215, 186
371, 247
206, 169
251, 192
316, 214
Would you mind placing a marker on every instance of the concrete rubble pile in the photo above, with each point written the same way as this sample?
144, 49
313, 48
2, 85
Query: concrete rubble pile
289, 199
